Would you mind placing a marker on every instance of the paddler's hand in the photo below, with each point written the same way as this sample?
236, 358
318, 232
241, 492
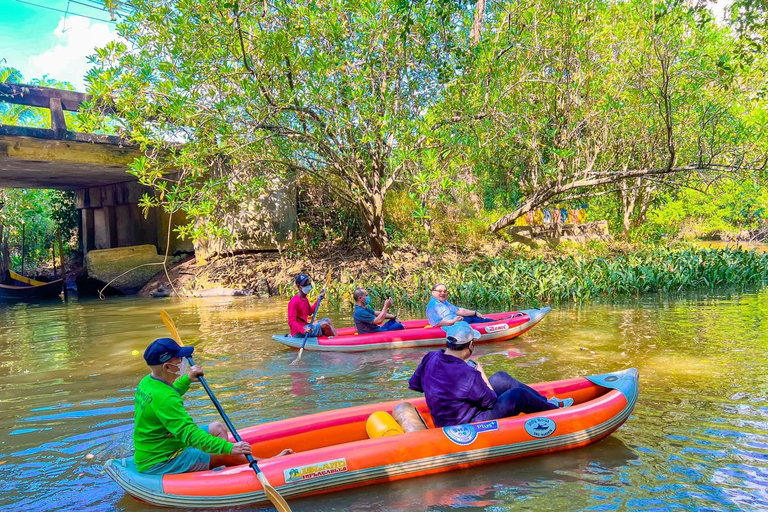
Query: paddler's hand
194, 373
241, 448
287, 451
457, 319
479, 368
307, 328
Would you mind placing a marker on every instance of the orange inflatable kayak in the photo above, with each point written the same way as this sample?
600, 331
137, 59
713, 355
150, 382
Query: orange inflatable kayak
333, 450
418, 333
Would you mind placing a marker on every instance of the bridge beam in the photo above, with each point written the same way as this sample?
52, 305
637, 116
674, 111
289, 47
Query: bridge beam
84, 161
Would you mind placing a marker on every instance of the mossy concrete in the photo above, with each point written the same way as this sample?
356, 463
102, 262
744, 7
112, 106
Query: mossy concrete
139, 263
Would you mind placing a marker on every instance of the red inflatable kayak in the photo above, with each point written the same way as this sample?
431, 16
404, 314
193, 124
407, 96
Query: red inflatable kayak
337, 450
418, 333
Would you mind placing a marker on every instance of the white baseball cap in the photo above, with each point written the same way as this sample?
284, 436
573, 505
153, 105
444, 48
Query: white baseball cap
461, 333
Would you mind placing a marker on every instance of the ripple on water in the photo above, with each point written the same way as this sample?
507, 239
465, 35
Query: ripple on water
697, 440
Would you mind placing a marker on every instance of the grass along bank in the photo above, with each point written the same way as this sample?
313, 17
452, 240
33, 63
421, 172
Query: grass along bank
503, 281
507, 282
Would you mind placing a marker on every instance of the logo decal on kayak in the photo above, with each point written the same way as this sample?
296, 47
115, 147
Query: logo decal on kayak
466, 434
540, 427
328, 467
496, 328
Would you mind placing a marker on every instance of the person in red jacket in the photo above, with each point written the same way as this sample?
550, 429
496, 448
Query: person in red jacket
299, 312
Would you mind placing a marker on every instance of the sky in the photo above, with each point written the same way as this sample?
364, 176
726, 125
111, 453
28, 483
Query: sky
39, 41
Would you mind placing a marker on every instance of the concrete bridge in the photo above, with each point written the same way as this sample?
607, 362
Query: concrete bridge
94, 166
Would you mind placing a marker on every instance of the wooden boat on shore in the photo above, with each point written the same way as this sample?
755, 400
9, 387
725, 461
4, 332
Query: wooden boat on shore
333, 450
17, 288
418, 333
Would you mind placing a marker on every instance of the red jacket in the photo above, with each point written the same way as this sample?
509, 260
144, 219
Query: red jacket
298, 313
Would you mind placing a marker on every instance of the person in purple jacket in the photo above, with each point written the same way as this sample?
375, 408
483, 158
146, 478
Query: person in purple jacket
458, 391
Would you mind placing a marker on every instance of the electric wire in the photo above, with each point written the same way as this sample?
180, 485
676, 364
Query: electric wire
66, 12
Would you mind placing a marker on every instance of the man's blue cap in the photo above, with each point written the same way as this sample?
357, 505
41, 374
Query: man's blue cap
163, 350
302, 279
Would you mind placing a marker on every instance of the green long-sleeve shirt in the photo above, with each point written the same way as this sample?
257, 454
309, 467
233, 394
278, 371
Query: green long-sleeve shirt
163, 427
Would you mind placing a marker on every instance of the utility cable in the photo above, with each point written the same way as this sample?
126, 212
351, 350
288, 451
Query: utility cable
99, 6
65, 12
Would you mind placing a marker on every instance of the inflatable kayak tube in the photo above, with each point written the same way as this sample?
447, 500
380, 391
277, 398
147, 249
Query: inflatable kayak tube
418, 333
334, 452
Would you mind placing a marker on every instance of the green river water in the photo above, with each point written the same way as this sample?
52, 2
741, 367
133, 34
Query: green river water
697, 440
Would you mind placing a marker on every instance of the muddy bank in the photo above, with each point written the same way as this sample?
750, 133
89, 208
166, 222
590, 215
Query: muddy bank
271, 273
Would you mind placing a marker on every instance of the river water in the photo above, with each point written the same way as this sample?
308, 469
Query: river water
698, 438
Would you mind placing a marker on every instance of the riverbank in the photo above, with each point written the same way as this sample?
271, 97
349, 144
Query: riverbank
499, 278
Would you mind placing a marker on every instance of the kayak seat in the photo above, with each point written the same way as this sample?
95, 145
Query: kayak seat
409, 418
382, 424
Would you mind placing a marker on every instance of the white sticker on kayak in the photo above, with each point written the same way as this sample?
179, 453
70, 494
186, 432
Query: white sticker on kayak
466, 434
540, 427
328, 467
496, 328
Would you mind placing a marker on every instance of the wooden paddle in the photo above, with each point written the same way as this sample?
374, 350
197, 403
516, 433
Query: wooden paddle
322, 294
278, 501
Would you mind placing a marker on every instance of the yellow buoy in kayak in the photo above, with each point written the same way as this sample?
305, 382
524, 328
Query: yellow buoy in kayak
382, 424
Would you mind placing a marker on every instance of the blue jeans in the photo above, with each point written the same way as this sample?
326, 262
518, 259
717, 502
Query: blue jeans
514, 398
189, 460
391, 325
477, 320
317, 329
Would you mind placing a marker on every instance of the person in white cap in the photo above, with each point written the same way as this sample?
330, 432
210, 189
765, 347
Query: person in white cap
458, 391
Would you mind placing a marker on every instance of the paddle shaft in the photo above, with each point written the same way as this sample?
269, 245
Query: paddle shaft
230, 426
306, 336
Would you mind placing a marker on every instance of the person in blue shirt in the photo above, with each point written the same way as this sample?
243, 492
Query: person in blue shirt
441, 313
367, 320
458, 391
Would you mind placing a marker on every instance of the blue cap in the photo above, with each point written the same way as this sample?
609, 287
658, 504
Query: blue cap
461, 333
303, 279
163, 350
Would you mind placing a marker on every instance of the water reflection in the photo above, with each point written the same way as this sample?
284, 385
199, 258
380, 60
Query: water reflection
698, 438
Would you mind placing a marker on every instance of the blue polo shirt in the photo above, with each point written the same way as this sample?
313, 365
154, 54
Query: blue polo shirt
455, 391
364, 318
437, 311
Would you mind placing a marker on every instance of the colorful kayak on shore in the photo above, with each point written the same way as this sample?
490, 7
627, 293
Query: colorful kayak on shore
418, 333
334, 452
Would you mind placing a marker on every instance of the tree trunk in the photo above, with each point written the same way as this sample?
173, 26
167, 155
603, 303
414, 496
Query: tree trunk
628, 201
635, 200
372, 211
477, 24
5, 255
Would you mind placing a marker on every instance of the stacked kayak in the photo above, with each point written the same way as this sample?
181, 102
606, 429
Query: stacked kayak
334, 452
418, 333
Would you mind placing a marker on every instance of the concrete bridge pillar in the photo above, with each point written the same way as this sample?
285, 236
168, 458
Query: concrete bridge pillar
110, 217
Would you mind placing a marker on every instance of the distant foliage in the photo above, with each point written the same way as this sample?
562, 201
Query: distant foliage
513, 282
728, 208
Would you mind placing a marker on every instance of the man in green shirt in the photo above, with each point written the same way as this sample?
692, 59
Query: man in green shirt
165, 438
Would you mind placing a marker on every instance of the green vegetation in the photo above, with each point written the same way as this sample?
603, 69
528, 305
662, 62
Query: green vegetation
431, 126
417, 114
511, 281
